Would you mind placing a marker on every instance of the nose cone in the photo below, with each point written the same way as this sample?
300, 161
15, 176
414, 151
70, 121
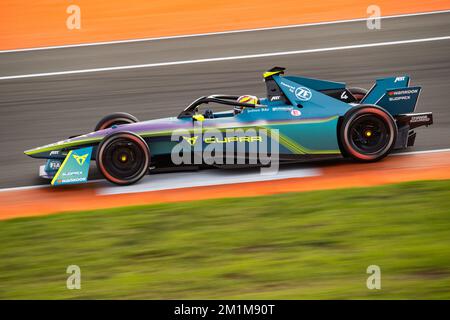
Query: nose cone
58, 149
145, 129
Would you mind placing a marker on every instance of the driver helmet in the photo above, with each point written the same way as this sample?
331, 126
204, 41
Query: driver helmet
245, 99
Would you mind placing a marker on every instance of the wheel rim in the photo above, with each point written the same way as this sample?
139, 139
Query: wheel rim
369, 134
125, 159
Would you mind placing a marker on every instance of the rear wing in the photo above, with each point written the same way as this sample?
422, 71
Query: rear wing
400, 101
394, 95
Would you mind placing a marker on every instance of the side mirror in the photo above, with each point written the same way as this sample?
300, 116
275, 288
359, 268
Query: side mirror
198, 117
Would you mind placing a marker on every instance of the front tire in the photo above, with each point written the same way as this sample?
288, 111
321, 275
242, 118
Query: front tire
123, 158
368, 133
115, 119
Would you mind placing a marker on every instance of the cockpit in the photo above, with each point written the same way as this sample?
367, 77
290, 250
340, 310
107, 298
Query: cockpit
238, 103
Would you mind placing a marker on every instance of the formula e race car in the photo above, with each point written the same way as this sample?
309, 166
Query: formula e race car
300, 119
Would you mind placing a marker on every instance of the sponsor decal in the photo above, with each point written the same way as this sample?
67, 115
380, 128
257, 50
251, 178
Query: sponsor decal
403, 92
234, 139
400, 98
80, 159
75, 167
72, 173
398, 79
303, 94
422, 118
54, 165
291, 88
296, 113
232, 146
275, 98
209, 140
71, 180
257, 110
282, 108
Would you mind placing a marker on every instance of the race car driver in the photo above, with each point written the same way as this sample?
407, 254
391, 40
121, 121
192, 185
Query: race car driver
245, 99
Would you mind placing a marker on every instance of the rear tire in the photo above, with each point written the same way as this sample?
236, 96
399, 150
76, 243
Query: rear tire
367, 133
115, 119
358, 93
123, 158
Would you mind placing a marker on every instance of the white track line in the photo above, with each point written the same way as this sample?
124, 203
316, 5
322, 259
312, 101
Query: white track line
180, 180
221, 32
419, 152
25, 188
41, 186
165, 175
250, 56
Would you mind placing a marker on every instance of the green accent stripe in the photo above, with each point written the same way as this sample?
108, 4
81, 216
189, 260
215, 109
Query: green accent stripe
303, 150
289, 144
296, 148
61, 168
62, 146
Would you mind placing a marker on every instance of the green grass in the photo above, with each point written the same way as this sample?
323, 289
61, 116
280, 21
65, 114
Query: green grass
291, 246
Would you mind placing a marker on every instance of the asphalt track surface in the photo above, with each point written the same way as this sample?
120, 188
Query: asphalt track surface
37, 111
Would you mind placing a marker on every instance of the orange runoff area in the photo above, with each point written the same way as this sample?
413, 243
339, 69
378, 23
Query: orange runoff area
26, 24
432, 166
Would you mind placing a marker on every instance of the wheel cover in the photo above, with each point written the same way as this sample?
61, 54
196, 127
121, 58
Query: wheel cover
369, 134
124, 159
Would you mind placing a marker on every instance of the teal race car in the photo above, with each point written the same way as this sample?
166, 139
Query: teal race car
300, 119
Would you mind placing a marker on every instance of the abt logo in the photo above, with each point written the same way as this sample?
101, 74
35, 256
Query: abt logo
303, 94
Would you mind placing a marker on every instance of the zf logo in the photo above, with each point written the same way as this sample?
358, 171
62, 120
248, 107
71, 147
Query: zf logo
303, 93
